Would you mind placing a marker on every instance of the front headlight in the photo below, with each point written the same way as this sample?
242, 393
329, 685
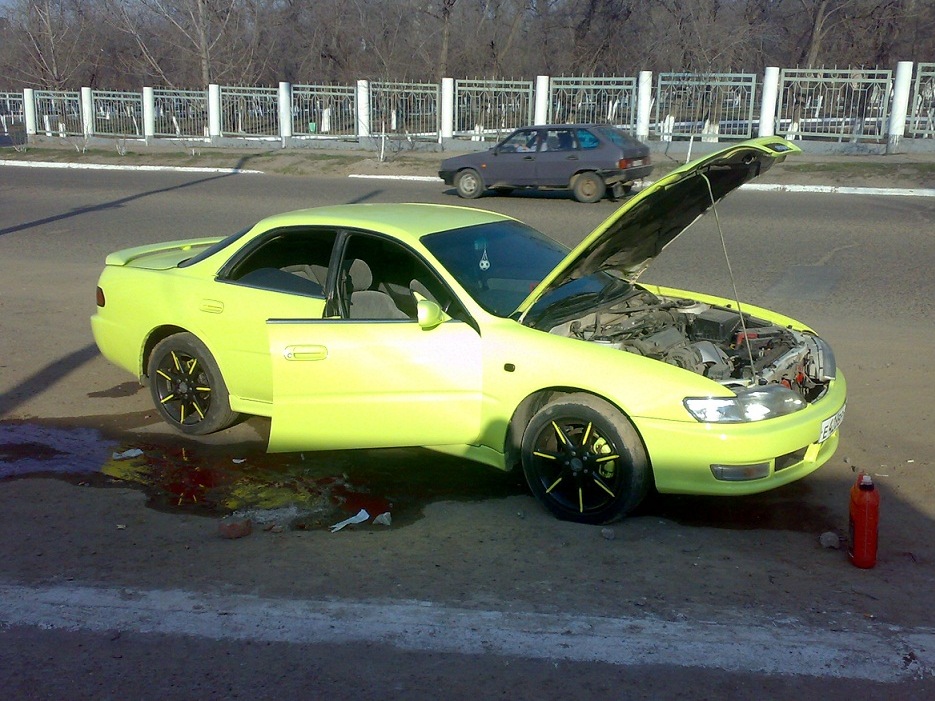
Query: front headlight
750, 404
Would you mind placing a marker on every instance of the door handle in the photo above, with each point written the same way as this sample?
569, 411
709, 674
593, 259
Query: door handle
571, 158
305, 352
529, 158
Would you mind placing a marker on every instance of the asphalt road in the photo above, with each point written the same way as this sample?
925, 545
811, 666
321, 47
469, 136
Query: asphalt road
857, 268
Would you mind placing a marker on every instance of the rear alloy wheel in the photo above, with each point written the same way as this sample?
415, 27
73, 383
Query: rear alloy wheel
589, 187
584, 460
187, 386
469, 184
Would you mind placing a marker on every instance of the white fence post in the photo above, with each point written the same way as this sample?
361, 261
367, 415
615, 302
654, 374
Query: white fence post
644, 105
87, 112
768, 103
543, 94
149, 115
285, 111
29, 111
363, 109
447, 127
214, 111
901, 89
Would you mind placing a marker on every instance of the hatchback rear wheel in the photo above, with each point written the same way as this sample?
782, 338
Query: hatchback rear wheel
589, 187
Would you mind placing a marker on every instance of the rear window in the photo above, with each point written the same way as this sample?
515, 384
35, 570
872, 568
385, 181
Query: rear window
618, 137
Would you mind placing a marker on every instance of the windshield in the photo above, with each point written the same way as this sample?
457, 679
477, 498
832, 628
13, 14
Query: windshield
498, 263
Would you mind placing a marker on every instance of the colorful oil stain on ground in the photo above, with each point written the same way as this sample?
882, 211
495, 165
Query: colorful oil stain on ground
310, 490
315, 490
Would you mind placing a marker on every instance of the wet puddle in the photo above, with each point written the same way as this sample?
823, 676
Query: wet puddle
315, 490
294, 490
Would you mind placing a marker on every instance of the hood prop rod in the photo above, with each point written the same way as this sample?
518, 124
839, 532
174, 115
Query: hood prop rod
733, 283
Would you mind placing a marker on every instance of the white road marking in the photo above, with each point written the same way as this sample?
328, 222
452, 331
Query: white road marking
103, 166
783, 647
843, 190
416, 178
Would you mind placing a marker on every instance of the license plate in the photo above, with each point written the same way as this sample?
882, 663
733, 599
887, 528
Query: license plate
829, 426
636, 162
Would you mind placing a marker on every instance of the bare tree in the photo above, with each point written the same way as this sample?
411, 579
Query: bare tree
55, 41
207, 33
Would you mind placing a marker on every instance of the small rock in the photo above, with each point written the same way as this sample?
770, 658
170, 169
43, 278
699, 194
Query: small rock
608, 533
235, 528
384, 519
830, 539
276, 529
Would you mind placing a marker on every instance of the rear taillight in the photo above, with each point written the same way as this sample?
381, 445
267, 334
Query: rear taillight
100, 297
623, 163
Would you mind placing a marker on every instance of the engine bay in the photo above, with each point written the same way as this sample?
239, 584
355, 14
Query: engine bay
713, 341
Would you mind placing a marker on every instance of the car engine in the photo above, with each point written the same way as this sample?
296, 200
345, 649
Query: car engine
709, 340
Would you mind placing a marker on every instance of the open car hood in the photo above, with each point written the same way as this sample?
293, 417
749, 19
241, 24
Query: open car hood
631, 237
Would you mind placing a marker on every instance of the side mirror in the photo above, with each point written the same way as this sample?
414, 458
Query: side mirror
429, 313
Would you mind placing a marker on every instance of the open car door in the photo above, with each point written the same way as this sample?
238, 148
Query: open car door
345, 383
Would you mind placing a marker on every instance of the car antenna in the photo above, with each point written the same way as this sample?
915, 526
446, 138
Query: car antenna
733, 283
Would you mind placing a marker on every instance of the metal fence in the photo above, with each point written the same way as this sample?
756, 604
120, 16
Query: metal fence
11, 112
408, 110
117, 113
182, 114
822, 104
324, 110
844, 105
489, 108
249, 111
713, 106
593, 100
922, 104
58, 113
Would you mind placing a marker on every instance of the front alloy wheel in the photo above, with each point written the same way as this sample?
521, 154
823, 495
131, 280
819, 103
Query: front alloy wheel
584, 460
187, 386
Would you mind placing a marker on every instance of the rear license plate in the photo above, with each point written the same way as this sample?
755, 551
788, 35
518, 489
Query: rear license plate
829, 426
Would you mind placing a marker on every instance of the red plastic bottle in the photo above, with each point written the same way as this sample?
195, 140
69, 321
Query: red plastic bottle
864, 522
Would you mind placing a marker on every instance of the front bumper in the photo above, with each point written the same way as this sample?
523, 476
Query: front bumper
683, 453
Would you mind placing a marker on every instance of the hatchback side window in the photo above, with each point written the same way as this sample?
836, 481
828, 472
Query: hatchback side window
559, 140
587, 139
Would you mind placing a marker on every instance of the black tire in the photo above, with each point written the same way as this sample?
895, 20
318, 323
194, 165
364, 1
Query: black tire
589, 187
469, 184
584, 460
187, 387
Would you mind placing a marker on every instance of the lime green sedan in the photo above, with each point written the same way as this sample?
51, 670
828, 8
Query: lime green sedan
470, 333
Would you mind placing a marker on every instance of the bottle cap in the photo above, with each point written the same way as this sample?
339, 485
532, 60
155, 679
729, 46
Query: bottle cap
866, 482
